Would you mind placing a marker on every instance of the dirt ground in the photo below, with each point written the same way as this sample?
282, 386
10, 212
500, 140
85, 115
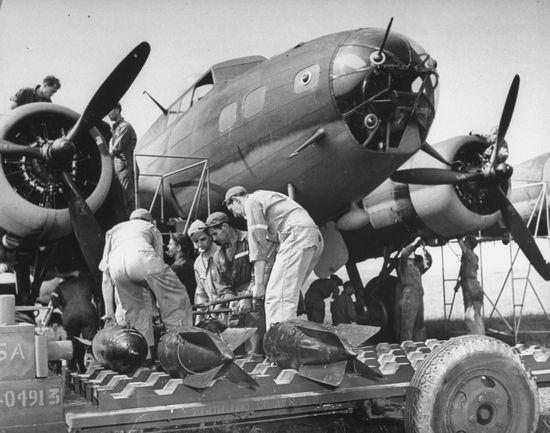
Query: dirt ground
544, 421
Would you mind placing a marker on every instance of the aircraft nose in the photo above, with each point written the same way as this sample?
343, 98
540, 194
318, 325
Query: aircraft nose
380, 90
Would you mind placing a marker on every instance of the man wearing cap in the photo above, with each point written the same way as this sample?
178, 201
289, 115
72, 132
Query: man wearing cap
209, 287
472, 291
409, 314
274, 218
235, 270
133, 261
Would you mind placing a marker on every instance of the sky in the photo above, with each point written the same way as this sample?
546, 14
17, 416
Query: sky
479, 46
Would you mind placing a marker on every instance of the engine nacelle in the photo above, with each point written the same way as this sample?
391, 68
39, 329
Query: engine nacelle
450, 211
33, 202
398, 212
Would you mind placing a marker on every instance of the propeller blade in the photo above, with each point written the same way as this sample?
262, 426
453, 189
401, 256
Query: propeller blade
112, 89
385, 37
9, 148
434, 153
432, 176
85, 227
522, 236
506, 117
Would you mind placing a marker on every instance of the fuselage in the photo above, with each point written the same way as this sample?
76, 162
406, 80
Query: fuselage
352, 120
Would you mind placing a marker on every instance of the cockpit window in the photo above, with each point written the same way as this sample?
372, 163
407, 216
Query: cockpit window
380, 93
180, 106
203, 87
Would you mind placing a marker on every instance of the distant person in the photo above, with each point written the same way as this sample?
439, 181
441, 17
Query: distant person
41, 93
472, 291
121, 149
209, 287
133, 261
409, 314
73, 296
180, 248
344, 310
236, 272
318, 291
275, 220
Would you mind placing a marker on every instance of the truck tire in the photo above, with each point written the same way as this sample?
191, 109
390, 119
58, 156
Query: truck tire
471, 384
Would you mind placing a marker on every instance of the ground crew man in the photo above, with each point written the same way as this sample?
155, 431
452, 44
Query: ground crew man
235, 271
180, 248
344, 307
209, 287
73, 296
315, 297
41, 93
133, 261
121, 149
274, 218
410, 294
472, 291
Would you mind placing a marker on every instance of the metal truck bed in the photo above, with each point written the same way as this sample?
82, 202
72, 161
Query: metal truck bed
102, 400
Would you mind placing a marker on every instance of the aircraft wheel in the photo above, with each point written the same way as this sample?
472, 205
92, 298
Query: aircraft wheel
383, 294
472, 384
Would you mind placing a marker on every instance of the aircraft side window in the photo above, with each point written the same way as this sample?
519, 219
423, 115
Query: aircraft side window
254, 102
228, 117
201, 91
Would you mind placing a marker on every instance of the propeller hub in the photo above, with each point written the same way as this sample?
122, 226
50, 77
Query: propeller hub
61, 150
503, 171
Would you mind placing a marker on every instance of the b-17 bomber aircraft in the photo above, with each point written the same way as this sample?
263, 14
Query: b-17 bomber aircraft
326, 122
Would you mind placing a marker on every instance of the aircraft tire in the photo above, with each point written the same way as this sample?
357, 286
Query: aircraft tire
382, 296
473, 384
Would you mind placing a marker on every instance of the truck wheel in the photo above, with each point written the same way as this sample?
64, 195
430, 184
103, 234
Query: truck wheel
471, 384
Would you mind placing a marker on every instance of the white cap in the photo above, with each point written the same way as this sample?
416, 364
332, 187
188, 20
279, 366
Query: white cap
196, 227
141, 214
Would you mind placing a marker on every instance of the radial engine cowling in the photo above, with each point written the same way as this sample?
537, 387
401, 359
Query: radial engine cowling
33, 202
450, 211
398, 211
